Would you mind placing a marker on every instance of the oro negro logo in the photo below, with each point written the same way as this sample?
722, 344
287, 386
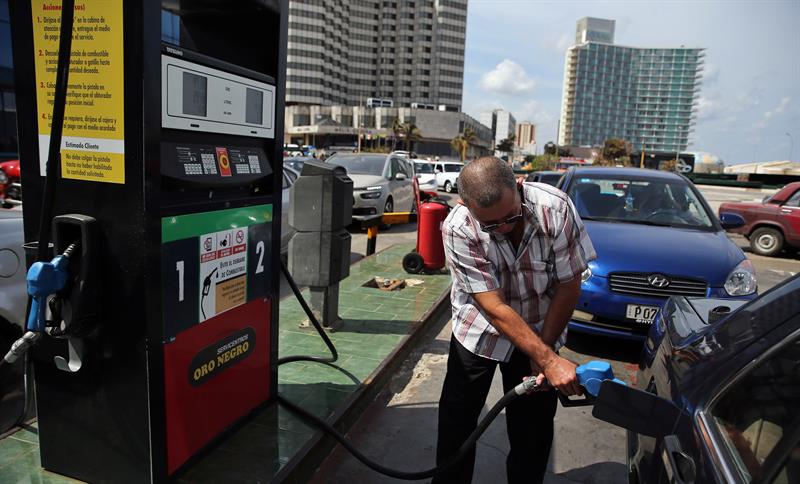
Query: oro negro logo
214, 359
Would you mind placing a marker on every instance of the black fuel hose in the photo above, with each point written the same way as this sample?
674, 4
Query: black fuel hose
465, 448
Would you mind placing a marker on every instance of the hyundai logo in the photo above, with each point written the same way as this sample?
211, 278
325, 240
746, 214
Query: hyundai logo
657, 280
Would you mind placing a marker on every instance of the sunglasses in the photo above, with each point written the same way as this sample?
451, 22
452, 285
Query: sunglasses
493, 227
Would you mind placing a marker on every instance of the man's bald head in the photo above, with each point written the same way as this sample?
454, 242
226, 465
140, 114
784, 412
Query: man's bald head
482, 182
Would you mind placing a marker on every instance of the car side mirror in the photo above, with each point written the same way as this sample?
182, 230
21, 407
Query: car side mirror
635, 410
400, 176
731, 220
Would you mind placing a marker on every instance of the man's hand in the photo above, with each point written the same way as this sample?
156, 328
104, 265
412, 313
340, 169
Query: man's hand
560, 373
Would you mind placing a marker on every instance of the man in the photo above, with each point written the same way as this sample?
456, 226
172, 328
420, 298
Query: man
516, 253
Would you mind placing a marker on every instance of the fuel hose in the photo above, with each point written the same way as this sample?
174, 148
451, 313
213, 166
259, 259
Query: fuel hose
466, 447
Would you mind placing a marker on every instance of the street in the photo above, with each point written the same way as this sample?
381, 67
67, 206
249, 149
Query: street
399, 428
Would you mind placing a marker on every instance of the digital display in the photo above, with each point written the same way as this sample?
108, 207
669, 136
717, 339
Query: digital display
195, 94
254, 107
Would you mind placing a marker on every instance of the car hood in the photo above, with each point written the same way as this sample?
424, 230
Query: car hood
361, 181
622, 247
738, 206
427, 177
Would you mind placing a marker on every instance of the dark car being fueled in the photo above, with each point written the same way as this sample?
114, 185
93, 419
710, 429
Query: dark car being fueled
718, 397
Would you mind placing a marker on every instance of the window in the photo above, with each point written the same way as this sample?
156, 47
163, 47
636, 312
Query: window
757, 416
794, 200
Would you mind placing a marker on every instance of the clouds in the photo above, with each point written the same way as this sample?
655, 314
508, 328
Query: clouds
507, 78
772, 113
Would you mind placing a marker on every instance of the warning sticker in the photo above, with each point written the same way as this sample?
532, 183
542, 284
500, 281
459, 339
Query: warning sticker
223, 271
93, 142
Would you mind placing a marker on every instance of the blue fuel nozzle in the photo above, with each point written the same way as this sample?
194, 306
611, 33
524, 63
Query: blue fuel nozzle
44, 279
592, 374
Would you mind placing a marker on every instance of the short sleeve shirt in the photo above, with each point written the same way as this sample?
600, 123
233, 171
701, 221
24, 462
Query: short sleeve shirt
555, 248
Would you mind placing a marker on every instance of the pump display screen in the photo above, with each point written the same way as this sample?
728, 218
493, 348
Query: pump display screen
195, 94
255, 106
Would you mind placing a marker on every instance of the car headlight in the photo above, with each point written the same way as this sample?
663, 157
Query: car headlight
742, 280
3, 177
585, 275
372, 193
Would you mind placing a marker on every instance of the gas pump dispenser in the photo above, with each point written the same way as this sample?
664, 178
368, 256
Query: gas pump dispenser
168, 182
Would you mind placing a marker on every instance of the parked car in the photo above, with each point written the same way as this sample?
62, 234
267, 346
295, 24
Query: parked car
426, 176
13, 303
770, 225
549, 177
10, 187
447, 175
296, 162
381, 183
717, 401
655, 237
289, 177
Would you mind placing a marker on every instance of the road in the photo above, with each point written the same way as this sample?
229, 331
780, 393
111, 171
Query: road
399, 428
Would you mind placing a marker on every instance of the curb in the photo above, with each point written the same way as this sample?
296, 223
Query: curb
304, 464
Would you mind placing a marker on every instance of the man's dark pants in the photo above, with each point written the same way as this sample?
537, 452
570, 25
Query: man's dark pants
529, 418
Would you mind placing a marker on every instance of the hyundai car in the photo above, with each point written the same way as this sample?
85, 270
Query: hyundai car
655, 237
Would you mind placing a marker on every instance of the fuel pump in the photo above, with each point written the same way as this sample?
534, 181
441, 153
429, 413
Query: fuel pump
155, 321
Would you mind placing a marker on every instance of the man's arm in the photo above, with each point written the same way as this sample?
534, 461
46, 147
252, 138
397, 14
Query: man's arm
559, 372
562, 305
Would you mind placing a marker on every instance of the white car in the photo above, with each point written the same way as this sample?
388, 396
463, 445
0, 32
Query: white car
426, 177
447, 175
381, 183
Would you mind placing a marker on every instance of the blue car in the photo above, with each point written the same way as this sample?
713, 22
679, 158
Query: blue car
655, 237
717, 398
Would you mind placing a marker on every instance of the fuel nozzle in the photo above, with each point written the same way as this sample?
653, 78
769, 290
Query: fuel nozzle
590, 376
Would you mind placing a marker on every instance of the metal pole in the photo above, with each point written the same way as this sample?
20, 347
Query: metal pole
791, 145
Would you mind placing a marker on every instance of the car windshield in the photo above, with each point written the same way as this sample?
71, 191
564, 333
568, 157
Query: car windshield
423, 168
362, 164
452, 168
670, 203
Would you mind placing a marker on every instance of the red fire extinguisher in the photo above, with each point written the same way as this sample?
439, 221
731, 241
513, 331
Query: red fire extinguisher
429, 255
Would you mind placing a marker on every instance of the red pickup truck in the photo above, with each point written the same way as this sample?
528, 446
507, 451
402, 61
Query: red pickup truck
771, 225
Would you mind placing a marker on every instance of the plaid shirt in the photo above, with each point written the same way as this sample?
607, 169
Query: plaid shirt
554, 248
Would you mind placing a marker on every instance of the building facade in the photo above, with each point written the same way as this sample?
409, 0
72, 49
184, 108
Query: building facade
343, 52
526, 137
340, 126
8, 105
501, 122
642, 95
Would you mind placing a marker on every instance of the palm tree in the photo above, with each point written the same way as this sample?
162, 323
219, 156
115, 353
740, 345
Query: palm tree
460, 145
462, 142
397, 130
411, 133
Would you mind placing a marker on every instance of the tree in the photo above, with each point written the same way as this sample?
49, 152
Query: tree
616, 148
462, 142
397, 131
507, 145
550, 148
411, 134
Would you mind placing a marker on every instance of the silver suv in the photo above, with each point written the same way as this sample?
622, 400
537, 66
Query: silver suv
381, 183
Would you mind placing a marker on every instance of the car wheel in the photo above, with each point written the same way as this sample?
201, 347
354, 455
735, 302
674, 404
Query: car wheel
448, 187
388, 207
766, 241
413, 263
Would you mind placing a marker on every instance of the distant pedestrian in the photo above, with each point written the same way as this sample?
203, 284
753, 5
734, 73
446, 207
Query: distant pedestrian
516, 252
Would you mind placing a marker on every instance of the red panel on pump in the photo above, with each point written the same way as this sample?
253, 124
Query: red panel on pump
431, 248
215, 373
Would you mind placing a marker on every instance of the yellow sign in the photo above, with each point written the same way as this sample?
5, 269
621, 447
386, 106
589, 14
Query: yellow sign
93, 142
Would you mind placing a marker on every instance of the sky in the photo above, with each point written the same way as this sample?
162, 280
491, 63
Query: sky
749, 102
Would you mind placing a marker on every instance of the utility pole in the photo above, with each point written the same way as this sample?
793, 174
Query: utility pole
791, 145
360, 121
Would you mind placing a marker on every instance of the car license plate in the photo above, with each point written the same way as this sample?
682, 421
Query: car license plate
641, 314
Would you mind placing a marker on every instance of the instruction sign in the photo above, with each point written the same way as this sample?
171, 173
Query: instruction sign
93, 142
213, 262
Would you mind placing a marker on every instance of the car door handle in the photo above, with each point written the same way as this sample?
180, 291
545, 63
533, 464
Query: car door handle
786, 210
679, 466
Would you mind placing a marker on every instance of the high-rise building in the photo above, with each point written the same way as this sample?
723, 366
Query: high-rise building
645, 96
501, 122
526, 137
346, 51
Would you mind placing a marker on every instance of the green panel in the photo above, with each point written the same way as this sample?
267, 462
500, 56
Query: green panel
196, 224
